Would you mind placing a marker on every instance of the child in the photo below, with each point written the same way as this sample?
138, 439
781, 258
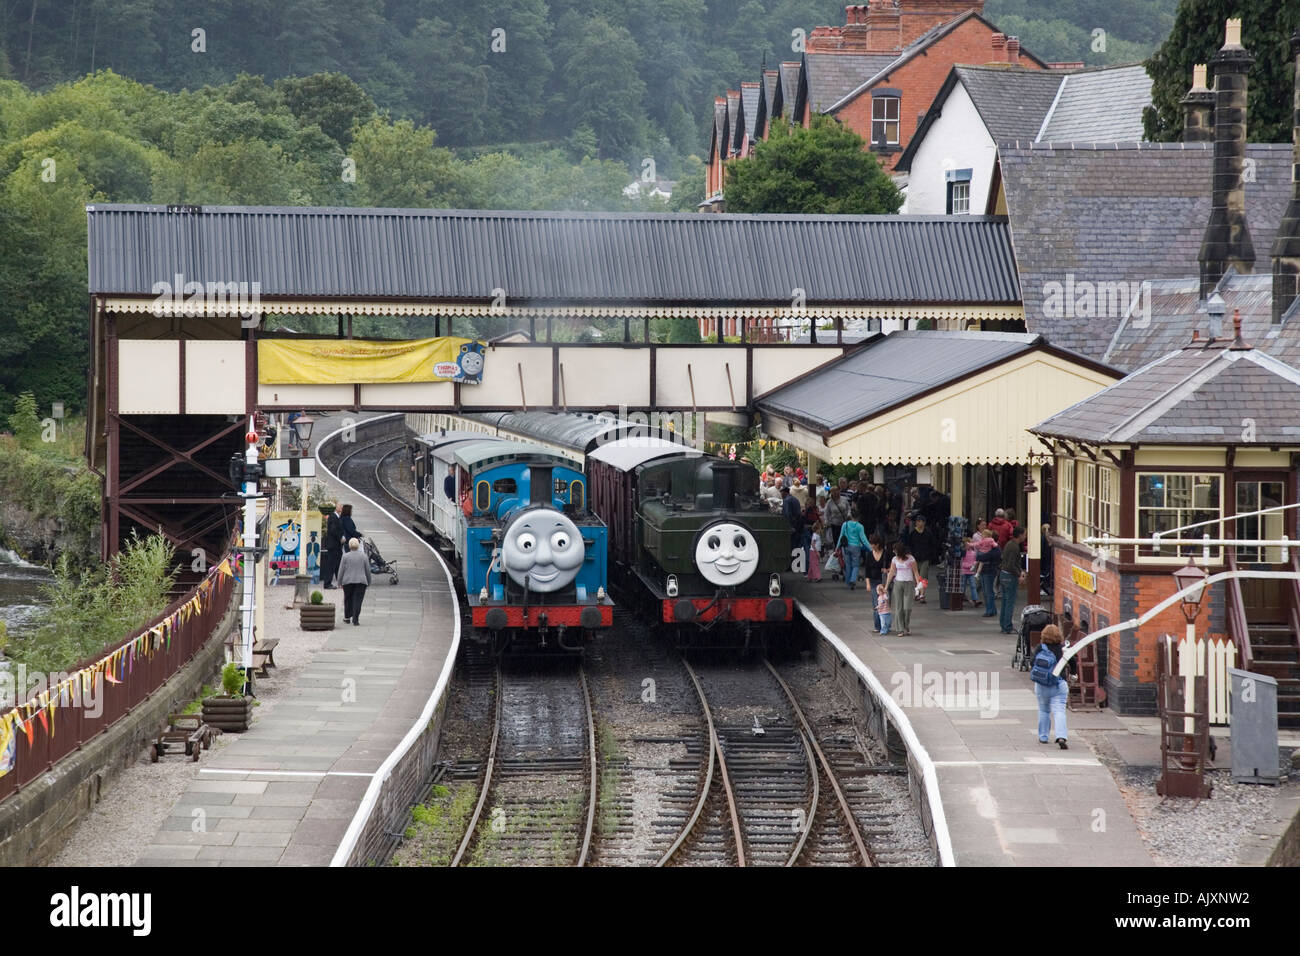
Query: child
968, 569
815, 553
882, 608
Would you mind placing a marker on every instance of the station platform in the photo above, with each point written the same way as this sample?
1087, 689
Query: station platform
285, 791
1009, 800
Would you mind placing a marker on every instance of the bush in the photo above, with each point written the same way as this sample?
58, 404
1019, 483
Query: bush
47, 488
89, 613
232, 680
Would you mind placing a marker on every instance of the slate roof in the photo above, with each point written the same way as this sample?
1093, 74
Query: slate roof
891, 370
1121, 212
833, 75
1012, 102
1196, 395
558, 257
1176, 310
749, 95
790, 73
772, 92
1093, 104
1100, 106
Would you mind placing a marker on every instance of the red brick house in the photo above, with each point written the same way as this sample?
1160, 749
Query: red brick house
877, 74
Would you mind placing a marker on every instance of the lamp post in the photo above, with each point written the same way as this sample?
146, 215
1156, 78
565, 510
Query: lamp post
302, 425
1190, 576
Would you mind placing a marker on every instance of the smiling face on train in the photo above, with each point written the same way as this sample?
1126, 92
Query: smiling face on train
543, 545
726, 553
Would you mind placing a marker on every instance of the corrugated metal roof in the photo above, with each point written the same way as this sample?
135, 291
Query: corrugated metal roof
560, 257
887, 371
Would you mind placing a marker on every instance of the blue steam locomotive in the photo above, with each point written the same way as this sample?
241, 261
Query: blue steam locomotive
530, 554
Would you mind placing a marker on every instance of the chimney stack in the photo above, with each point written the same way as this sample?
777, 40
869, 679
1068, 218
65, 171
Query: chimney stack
1198, 109
1013, 50
1227, 237
1286, 248
999, 48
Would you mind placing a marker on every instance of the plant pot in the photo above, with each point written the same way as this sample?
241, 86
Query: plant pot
316, 617
228, 714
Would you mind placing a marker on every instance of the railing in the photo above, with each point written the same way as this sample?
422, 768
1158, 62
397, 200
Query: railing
1294, 615
67, 709
1238, 629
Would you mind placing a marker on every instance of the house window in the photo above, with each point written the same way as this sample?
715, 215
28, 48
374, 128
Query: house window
958, 183
1108, 504
1065, 507
1170, 501
884, 121
1087, 494
1259, 496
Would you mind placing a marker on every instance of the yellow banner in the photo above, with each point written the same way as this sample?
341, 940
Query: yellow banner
353, 361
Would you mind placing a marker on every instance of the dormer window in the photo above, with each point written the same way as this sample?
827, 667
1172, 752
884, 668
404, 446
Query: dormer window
884, 118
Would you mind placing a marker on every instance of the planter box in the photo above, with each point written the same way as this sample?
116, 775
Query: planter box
229, 714
316, 617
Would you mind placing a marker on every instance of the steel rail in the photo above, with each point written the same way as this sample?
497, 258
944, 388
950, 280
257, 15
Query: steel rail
487, 776
595, 764
864, 853
715, 753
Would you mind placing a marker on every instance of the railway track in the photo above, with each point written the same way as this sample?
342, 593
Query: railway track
775, 799
537, 799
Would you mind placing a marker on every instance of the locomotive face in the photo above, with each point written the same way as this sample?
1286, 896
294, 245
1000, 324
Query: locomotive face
544, 545
726, 553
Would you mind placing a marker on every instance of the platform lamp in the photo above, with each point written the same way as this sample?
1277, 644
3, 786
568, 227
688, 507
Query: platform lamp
1189, 576
302, 426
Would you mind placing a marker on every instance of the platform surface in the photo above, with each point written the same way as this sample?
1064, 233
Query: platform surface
284, 792
1009, 800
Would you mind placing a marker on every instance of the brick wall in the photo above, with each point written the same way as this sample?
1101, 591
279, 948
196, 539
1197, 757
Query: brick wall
919, 81
1129, 667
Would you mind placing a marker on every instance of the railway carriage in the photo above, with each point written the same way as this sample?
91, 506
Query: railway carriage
531, 556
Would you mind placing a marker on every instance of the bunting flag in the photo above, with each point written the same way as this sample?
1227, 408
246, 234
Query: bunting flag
8, 745
40, 715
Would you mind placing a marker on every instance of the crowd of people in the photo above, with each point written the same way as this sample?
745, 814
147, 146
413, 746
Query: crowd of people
891, 542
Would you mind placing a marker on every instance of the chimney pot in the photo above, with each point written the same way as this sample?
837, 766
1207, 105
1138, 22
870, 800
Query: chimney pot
1216, 308
1200, 73
1232, 34
1013, 50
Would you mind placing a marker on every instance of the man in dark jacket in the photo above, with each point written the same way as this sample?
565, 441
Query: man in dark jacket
924, 547
794, 515
331, 547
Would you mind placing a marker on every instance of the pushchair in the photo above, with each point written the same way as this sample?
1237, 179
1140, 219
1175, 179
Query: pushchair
1033, 618
377, 563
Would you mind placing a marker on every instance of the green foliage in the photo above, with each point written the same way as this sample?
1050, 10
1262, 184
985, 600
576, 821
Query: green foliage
24, 422
1096, 32
822, 169
232, 679
317, 597
1197, 35
777, 456
88, 613
48, 487
436, 827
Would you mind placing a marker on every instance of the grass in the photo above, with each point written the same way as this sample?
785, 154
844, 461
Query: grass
437, 827
196, 705
610, 777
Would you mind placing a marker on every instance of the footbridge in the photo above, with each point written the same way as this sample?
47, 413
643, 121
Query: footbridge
200, 317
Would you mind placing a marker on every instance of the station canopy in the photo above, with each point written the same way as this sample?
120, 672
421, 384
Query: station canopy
932, 398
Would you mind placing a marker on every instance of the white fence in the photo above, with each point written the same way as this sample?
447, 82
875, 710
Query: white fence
1210, 659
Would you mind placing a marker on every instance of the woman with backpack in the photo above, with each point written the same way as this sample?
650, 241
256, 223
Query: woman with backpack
1053, 692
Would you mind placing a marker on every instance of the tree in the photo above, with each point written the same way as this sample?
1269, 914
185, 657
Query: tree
332, 101
822, 169
1197, 35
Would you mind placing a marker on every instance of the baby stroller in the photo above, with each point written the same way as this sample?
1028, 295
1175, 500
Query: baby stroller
377, 563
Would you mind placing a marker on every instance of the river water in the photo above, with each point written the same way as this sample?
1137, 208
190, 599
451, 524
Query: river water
21, 583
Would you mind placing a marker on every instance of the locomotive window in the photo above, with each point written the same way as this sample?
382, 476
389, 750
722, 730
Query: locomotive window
504, 486
576, 497
482, 496
561, 488
449, 486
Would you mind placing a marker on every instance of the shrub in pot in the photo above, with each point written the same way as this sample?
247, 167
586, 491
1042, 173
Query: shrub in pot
231, 712
317, 615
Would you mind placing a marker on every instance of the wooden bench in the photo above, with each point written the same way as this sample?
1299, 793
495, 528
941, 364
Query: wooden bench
264, 655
